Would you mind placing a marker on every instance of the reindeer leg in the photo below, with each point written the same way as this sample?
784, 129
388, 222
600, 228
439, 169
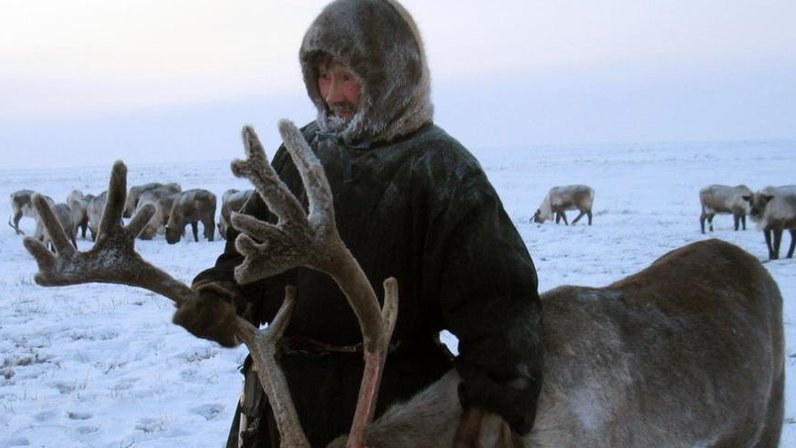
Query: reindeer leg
792, 242
777, 242
195, 230
577, 218
210, 229
564, 217
767, 236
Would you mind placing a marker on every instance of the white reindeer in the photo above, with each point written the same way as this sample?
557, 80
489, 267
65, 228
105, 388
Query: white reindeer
722, 199
560, 199
774, 210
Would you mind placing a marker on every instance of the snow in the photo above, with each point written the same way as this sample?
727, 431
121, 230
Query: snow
103, 366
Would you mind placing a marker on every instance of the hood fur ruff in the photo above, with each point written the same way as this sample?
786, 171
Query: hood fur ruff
379, 41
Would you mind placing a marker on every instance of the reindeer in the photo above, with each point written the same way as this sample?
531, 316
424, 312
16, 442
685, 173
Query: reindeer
560, 199
688, 352
78, 206
192, 207
231, 201
95, 210
131, 204
774, 211
720, 199
22, 206
162, 198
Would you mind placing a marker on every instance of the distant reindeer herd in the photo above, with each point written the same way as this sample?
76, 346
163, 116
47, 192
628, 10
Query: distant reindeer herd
174, 208
773, 209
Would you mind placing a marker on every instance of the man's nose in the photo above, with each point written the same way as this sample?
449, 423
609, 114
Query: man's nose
335, 92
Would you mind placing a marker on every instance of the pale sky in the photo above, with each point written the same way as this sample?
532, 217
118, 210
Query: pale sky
95, 80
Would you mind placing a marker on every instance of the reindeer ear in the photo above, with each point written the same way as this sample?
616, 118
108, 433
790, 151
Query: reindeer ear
747, 198
768, 197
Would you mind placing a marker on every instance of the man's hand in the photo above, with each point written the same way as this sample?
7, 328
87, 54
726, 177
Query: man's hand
479, 428
212, 315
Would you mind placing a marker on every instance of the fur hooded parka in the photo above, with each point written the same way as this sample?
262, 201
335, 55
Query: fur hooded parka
380, 43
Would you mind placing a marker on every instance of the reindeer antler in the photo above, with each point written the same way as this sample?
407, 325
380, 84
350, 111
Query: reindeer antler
311, 239
113, 259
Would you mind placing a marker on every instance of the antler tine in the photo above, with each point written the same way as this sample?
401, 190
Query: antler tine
111, 220
268, 184
319, 194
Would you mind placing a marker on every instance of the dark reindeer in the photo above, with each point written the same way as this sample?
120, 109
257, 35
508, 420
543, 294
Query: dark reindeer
191, 207
688, 352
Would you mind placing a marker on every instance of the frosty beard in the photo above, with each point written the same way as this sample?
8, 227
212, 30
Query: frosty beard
338, 116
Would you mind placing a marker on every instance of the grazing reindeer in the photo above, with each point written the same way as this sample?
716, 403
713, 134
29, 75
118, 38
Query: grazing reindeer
719, 199
22, 205
688, 352
231, 201
192, 207
560, 199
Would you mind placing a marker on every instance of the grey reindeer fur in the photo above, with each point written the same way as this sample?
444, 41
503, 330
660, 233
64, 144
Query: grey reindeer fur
644, 362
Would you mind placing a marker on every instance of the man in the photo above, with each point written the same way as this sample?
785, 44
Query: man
411, 203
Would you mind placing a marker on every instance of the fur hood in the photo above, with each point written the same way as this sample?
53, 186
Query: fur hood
379, 41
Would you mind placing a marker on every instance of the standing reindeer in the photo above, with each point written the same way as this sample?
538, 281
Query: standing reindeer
78, 207
688, 352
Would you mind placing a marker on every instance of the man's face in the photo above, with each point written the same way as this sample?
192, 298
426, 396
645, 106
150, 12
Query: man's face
339, 88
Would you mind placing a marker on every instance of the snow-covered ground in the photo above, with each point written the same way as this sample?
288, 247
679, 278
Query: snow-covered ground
102, 366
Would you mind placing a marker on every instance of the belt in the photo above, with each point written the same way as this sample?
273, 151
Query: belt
292, 345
